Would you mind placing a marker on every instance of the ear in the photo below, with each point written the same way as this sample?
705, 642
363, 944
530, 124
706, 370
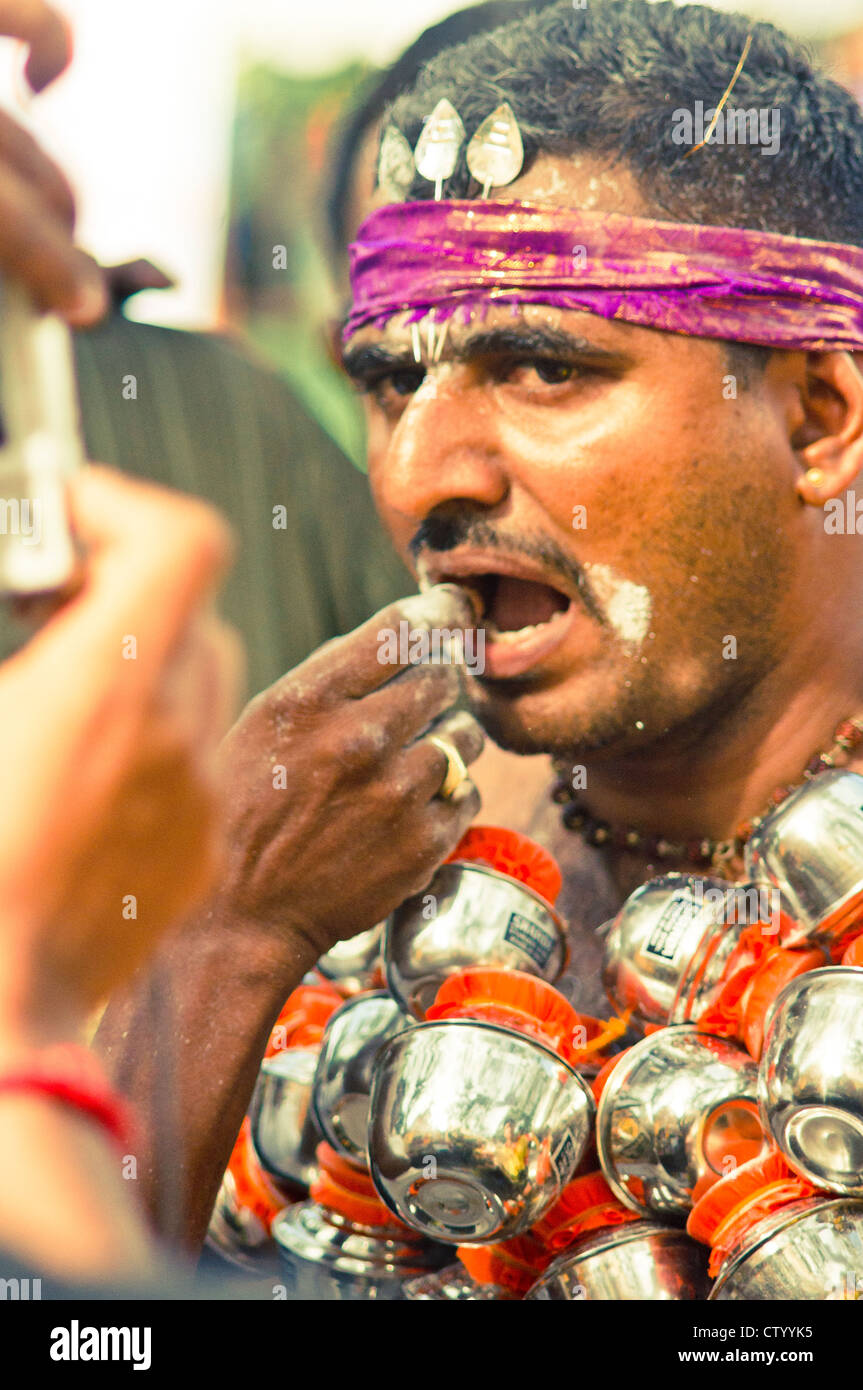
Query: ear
830, 442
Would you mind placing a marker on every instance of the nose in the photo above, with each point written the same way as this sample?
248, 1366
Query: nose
444, 448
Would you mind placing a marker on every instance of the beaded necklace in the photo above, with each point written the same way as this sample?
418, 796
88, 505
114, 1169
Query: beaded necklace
723, 856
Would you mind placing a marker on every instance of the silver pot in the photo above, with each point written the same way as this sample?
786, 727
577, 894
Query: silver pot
323, 1257
480, 917
810, 1081
659, 941
811, 1249
343, 1079
662, 1115
284, 1133
474, 1129
453, 1285
235, 1232
643, 1261
811, 848
352, 964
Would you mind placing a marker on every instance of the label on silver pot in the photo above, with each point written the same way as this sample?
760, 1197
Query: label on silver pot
531, 938
563, 1158
673, 924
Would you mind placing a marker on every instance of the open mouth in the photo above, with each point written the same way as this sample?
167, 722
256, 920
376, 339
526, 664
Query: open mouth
523, 620
510, 607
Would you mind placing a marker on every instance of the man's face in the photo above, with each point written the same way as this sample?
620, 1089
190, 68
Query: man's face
631, 528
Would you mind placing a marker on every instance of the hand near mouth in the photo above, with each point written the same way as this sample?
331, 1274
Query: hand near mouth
334, 817
523, 616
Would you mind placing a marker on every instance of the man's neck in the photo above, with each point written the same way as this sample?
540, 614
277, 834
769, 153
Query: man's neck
728, 777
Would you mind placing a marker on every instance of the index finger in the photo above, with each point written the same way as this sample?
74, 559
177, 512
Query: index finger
352, 666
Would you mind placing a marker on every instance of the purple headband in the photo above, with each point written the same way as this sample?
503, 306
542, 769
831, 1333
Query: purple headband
710, 282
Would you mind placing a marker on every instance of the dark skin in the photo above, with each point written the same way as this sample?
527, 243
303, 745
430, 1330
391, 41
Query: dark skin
702, 501
635, 428
666, 469
358, 775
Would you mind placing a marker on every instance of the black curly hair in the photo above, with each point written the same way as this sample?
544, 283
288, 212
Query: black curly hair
607, 78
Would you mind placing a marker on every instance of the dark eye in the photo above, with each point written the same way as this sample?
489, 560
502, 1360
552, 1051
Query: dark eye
390, 390
552, 372
526, 371
405, 382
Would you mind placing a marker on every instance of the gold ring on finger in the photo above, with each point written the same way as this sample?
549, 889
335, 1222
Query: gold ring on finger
456, 767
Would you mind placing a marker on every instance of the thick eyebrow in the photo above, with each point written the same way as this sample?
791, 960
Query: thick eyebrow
372, 359
516, 341
527, 341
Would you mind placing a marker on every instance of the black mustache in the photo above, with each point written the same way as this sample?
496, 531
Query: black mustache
439, 534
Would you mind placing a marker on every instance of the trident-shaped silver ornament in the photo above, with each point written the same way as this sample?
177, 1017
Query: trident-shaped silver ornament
396, 166
495, 155
437, 151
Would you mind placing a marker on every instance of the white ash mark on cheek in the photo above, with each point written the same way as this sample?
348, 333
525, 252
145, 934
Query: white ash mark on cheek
627, 606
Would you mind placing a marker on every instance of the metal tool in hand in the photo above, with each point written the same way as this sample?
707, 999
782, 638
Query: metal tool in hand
42, 447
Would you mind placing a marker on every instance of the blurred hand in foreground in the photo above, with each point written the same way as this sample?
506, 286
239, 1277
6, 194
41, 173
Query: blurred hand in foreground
109, 723
37, 207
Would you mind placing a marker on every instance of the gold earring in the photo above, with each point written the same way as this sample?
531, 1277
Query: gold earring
814, 477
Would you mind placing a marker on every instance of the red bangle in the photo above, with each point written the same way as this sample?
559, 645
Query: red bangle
72, 1074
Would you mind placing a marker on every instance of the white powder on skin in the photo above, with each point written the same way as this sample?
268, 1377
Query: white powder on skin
627, 606
436, 605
